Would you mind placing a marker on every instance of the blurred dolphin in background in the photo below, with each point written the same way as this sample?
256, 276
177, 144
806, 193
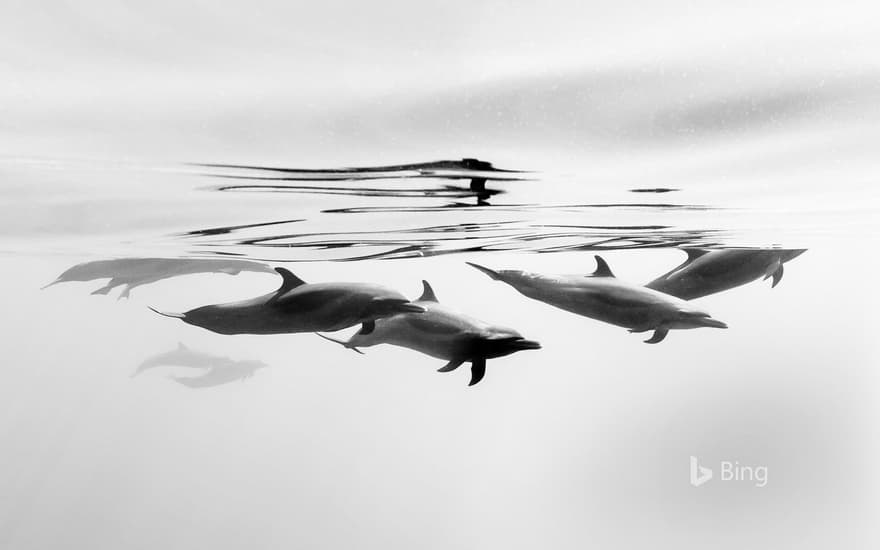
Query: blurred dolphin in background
133, 272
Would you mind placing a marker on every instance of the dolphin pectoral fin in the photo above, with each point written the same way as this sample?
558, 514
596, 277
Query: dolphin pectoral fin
450, 366
427, 293
658, 336
602, 269
125, 293
289, 282
103, 290
777, 275
55, 282
367, 327
340, 342
478, 370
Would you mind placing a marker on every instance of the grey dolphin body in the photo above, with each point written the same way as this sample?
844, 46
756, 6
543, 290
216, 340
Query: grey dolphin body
219, 375
604, 297
301, 307
444, 333
133, 272
711, 271
183, 356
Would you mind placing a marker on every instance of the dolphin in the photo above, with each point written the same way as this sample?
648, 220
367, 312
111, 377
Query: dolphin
219, 375
298, 306
604, 297
443, 333
133, 272
711, 271
182, 356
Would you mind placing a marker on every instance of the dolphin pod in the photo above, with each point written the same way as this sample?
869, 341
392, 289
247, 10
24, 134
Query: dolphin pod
444, 333
133, 272
434, 329
604, 297
298, 306
708, 272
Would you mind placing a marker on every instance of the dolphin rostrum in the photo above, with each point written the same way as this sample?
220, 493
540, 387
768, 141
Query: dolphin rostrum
298, 306
133, 272
444, 333
604, 297
710, 271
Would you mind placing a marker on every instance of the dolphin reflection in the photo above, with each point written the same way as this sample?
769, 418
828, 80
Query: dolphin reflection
298, 306
133, 272
604, 297
711, 271
218, 370
444, 333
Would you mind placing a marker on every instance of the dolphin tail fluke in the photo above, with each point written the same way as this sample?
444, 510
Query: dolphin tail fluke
450, 366
172, 315
478, 370
493, 274
658, 336
340, 342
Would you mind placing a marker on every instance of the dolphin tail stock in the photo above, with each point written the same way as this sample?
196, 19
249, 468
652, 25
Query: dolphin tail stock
659, 335
172, 315
340, 342
493, 274
478, 370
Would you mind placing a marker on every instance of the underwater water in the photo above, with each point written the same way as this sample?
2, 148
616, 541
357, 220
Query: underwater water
190, 182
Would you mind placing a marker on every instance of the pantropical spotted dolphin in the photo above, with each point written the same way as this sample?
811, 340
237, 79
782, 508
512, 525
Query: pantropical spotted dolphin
604, 297
710, 271
133, 272
444, 333
301, 307
218, 376
183, 356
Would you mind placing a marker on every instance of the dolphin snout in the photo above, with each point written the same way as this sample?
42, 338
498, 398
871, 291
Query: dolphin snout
710, 322
526, 344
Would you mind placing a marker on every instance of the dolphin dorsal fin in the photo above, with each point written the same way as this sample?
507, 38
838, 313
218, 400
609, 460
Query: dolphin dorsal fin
694, 253
290, 282
428, 293
602, 269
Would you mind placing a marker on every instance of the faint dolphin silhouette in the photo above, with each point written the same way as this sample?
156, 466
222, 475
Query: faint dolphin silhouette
219, 375
604, 297
183, 356
444, 333
711, 271
134, 272
298, 306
